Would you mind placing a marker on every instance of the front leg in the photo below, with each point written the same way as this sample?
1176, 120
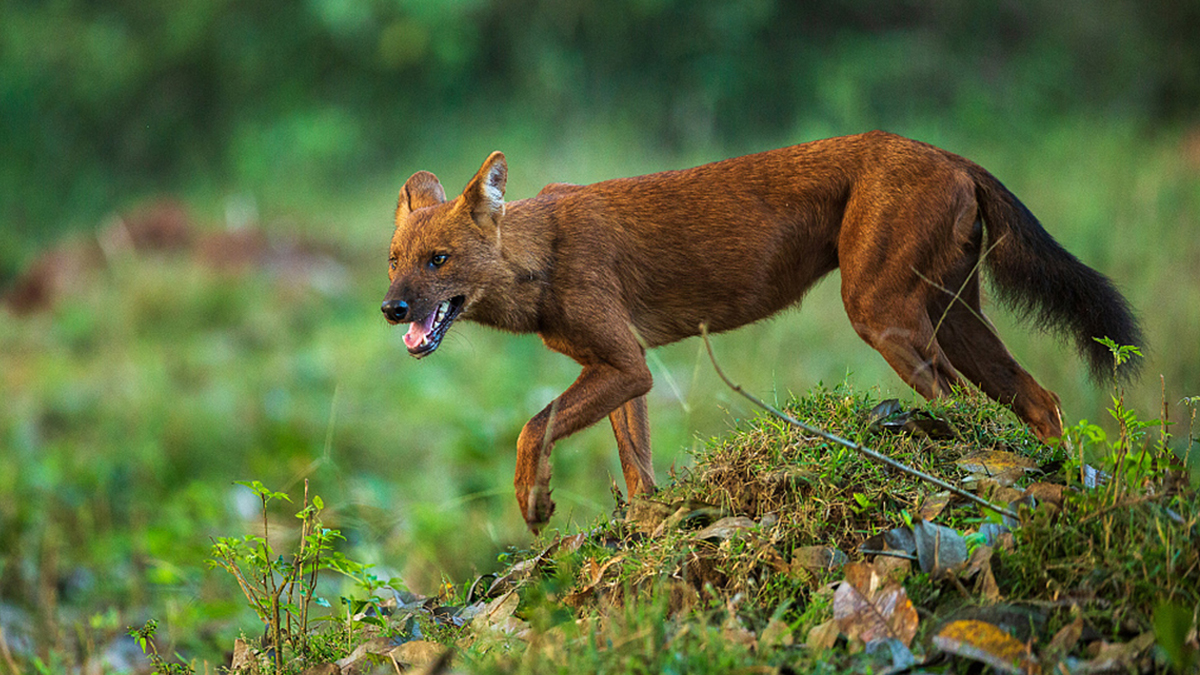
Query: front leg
599, 390
631, 426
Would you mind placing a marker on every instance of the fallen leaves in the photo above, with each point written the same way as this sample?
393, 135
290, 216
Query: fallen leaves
869, 607
939, 549
984, 642
936, 548
892, 416
817, 559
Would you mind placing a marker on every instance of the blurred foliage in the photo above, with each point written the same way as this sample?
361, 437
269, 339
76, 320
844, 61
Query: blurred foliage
100, 101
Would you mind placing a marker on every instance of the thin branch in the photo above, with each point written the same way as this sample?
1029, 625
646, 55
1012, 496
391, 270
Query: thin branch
956, 296
891, 554
863, 450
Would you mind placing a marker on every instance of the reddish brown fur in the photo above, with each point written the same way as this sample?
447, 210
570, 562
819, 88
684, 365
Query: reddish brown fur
602, 272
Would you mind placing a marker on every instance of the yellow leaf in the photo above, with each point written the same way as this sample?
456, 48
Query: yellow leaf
987, 643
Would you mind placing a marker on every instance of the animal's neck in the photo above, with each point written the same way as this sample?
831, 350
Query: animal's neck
514, 297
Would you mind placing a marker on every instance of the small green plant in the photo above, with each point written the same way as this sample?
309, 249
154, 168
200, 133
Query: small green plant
279, 589
1117, 454
145, 639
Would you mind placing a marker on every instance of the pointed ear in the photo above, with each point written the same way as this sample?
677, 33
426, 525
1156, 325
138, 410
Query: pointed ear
484, 195
421, 190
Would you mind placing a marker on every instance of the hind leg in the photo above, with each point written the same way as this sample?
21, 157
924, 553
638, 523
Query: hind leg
903, 259
891, 242
976, 351
631, 426
895, 323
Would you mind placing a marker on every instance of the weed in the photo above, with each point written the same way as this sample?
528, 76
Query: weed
145, 640
1127, 540
281, 589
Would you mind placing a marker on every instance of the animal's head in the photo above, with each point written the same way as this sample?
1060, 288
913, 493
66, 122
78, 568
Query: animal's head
442, 252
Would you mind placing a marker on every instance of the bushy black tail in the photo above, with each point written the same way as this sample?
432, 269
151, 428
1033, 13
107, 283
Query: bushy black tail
1040, 279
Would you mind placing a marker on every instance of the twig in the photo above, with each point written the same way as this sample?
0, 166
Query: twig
890, 554
863, 450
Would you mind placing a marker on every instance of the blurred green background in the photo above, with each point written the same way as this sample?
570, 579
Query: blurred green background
159, 375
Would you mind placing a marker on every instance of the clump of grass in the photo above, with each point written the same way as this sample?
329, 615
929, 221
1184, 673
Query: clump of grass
823, 493
798, 490
1115, 562
652, 585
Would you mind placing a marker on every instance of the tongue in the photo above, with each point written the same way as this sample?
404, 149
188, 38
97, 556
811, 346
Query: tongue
417, 332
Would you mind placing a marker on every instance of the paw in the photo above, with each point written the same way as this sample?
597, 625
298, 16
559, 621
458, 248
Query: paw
536, 506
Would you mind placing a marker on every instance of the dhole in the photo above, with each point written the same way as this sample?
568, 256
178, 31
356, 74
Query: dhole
603, 272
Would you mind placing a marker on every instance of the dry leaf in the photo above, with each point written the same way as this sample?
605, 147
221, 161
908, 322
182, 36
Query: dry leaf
866, 608
822, 636
776, 634
891, 567
980, 566
416, 653
897, 539
884, 410
1064, 641
593, 573
817, 558
996, 462
984, 642
372, 652
862, 576
890, 415
933, 505
1003, 494
495, 624
939, 549
500, 609
725, 528
1116, 657
990, 469
1047, 494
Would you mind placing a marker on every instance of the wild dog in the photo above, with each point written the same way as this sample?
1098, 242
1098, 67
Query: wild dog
603, 272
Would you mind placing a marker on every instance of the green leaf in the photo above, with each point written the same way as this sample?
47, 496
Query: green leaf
1171, 626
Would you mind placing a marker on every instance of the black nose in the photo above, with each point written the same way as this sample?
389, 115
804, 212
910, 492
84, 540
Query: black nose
395, 310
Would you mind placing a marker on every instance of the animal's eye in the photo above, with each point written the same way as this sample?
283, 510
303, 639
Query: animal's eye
393, 264
438, 259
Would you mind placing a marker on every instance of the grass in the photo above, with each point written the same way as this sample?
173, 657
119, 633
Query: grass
133, 406
678, 600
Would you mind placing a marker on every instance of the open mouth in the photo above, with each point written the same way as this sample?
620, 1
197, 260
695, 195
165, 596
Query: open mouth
424, 336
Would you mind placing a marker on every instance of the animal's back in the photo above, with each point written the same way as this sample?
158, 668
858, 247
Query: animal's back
727, 243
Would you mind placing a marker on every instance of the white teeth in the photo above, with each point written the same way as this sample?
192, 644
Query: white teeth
441, 312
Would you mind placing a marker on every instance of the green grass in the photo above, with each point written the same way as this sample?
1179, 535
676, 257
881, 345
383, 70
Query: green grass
132, 407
